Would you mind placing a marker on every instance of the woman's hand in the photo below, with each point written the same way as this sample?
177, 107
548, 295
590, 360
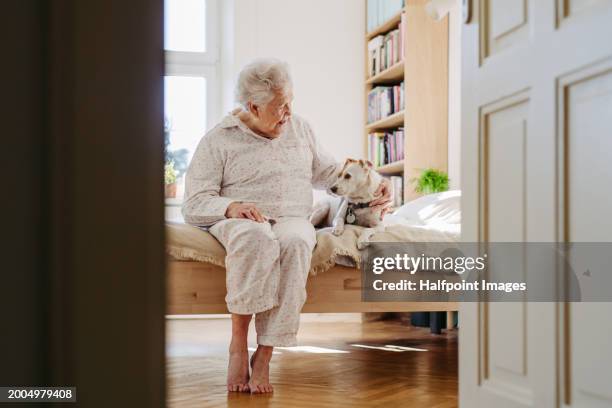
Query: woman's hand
383, 202
244, 210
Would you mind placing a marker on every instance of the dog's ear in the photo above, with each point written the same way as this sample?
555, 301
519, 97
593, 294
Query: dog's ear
366, 164
347, 162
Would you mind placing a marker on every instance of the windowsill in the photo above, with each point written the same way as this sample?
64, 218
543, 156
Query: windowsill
173, 210
174, 202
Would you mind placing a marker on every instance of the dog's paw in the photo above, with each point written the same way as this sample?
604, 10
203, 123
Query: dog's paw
362, 244
337, 231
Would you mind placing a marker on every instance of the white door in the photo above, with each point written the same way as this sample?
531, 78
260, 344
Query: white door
536, 166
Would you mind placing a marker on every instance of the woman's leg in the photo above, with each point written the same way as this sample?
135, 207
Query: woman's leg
278, 326
252, 266
238, 367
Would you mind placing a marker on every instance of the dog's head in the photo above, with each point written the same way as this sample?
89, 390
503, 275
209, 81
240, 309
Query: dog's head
353, 178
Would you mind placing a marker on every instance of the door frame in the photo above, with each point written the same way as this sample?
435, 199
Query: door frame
86, 291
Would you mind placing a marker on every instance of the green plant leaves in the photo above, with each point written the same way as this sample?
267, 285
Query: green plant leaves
431, 181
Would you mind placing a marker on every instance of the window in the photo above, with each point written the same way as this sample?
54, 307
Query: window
185, 25
191, 92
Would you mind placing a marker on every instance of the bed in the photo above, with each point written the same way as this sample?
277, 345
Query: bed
196, 273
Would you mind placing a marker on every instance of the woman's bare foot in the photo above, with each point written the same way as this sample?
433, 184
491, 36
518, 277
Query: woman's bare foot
260, 366
238, 367
238, 371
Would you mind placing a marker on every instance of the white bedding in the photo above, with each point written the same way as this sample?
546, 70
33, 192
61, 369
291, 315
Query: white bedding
440, 212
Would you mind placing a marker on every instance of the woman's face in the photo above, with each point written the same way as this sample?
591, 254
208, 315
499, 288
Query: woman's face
273, 116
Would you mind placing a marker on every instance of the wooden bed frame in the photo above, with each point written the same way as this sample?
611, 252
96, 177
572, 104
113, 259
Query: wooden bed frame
199, 288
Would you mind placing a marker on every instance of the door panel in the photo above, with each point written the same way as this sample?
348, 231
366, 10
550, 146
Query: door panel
590, 357
536, 155
585, 146
507, 24
589, 143
503, 143
508, 362
569, 8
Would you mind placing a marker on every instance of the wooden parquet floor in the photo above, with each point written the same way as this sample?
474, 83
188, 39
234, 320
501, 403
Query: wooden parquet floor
339, 365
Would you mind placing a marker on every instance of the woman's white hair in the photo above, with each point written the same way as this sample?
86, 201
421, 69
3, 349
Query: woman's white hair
260, 79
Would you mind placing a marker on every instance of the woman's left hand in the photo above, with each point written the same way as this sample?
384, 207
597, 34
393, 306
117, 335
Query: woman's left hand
383, 202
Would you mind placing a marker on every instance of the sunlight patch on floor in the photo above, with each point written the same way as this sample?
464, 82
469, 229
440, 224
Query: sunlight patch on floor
389, 347
406, 348
274, 352
313, 349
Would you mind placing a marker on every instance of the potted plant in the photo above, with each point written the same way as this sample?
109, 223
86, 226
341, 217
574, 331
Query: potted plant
169, 180
176, 162
431, 181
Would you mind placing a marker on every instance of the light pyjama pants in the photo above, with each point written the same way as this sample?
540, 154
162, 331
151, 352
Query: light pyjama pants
266, 271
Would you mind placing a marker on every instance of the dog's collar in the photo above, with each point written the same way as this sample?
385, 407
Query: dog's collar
350, 211
357, 206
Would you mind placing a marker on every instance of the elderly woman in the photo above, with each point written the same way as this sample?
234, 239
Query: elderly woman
250, 181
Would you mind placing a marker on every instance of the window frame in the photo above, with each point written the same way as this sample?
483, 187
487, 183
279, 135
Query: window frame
202, 64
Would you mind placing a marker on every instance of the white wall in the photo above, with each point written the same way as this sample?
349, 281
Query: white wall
454, 96
323, 41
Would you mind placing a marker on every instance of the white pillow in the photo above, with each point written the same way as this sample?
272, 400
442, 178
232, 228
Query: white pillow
433, 209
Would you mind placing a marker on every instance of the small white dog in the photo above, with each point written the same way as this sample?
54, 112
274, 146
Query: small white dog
356, 184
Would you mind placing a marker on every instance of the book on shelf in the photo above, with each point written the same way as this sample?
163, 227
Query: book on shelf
398, 190
402, 36
375, 47
397, 187
386, 50
384, 101
379, 11
386, 147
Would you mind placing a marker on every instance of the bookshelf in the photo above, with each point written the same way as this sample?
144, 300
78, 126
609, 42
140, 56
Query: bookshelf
424, 71
384, 27
392, 121
392, 74
396, 167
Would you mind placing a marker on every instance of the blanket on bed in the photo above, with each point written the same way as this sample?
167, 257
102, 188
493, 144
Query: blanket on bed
187, 243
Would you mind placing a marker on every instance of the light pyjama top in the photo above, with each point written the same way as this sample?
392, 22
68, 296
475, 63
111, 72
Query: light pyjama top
233, 163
